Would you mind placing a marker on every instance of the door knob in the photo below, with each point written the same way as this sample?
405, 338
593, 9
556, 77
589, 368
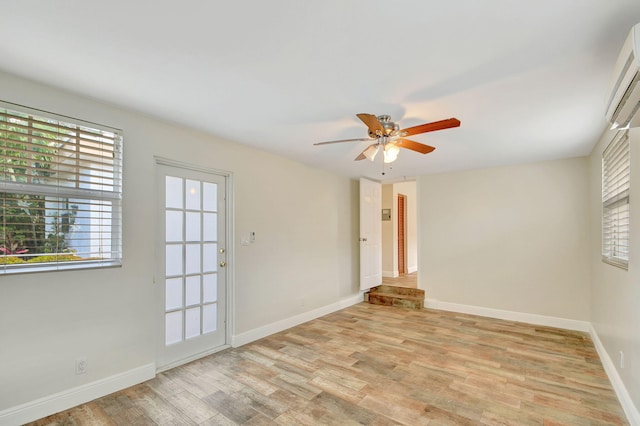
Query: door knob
223, 264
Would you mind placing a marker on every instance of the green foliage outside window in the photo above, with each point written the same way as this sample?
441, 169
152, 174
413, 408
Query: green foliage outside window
28, 225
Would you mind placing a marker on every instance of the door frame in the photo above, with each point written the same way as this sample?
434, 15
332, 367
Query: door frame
401, 240
230, 256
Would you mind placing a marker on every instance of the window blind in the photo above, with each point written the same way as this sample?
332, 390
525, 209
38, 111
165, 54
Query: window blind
615, 200
60, 191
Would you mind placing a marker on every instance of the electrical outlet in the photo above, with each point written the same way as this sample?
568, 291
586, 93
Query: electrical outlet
621, 360
81, 365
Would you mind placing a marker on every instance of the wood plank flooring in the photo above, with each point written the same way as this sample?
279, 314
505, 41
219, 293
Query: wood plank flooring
406, 280
378, 365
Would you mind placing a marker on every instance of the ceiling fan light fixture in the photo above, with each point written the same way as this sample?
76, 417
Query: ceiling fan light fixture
386, 133
391, 153
371, 152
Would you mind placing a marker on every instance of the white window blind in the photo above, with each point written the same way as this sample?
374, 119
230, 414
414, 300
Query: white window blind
615, 201
60, 192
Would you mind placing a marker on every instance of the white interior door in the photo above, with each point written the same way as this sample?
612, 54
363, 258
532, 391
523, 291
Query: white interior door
370, 234
192, 264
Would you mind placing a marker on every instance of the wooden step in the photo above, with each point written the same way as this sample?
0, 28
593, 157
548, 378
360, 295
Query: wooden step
403, 297
392, 289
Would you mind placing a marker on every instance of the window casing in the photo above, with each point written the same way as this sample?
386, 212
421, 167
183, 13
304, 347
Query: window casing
615, 201
60, 192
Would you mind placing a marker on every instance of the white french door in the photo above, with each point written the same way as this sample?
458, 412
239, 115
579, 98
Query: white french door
192, 263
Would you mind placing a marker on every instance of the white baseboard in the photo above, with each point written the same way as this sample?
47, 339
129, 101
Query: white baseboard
633, 416
64, 400
568, 324
412, 269
275, 327
390, 274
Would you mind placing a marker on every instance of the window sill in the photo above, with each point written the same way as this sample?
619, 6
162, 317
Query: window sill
622, 264
66, 266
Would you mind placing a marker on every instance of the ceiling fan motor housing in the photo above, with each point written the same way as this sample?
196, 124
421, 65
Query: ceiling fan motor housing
388, 126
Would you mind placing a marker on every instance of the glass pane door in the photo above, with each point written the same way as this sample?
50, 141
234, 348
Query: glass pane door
194, 259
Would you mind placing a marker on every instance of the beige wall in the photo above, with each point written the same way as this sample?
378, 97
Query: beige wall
615, 292
510, 238
305, 255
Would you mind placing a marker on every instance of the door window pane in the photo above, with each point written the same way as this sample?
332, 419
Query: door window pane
173, 197
209, 318
192, 326
192, 256
173, 225
173, 293
193, 290
173, 259
193, 194
210, 227
210, 197
209, 288
193, 226
173, 327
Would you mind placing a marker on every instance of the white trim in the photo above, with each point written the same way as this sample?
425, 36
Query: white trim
412, 269
275, 327
190, 166
73, 397
568, 324
633, 416
390, 274
230, 292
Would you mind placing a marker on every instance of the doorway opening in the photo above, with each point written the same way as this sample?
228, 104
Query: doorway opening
400, 234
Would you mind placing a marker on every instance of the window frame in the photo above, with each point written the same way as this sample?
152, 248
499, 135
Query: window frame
59, 193
616, 205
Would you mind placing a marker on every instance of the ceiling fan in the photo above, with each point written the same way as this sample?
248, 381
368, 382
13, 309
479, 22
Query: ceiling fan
387, 135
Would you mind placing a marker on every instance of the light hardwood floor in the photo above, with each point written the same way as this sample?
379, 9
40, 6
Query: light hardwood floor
407, 280
378, 365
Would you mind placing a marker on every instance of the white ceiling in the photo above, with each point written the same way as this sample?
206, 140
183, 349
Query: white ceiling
527, 79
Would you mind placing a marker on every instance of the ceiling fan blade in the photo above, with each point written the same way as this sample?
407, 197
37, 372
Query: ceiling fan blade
414, 146
372, 122
430, 127
343, 140
362, 156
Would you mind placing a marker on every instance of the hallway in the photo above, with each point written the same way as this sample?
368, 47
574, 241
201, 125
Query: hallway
407, 280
